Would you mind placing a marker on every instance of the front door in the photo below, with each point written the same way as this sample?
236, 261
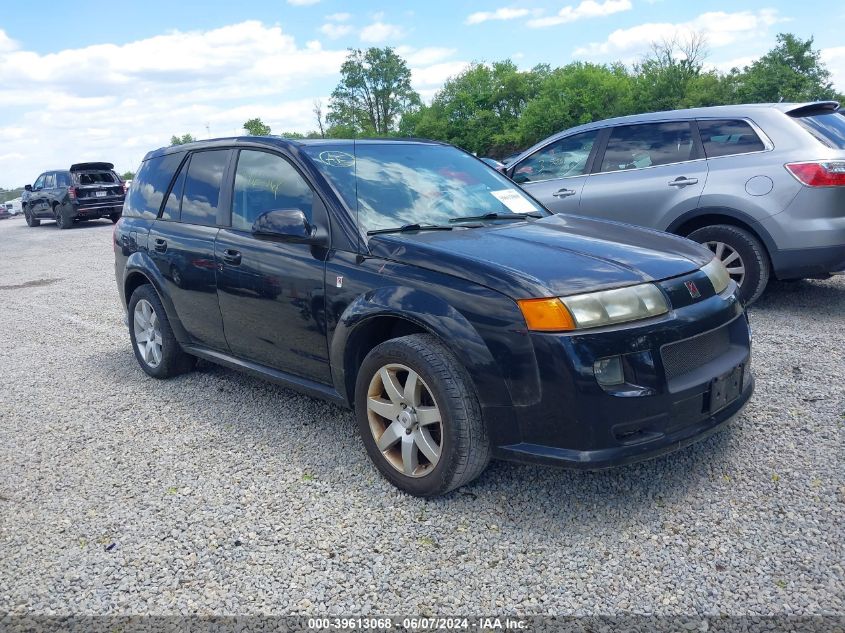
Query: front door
271, 293
649, 174
181, 243
555, 174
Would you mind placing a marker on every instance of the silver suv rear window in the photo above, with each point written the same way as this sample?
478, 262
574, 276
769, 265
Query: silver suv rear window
828, 128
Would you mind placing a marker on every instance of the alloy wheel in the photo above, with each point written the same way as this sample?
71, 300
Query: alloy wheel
405, 420
730, 258
147, 333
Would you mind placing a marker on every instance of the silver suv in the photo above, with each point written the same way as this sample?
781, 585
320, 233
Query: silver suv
763, 186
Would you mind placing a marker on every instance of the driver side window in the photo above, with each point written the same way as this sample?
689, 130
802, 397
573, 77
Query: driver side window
267, 182
564, 158
39, 183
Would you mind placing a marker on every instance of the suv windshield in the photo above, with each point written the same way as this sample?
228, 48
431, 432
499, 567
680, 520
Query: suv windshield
828, 128
398, 184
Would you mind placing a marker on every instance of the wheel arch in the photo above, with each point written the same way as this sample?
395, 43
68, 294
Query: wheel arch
140, 270
379, 316
709, 216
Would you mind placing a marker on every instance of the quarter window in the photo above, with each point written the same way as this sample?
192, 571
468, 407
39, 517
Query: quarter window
648, 145
174, 198
564, 158
724, 138
150, 184
266, 182
202, 187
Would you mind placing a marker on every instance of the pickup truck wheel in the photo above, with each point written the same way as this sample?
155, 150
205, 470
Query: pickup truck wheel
31, 220
419, 417
742, 254
62, 221
156, 348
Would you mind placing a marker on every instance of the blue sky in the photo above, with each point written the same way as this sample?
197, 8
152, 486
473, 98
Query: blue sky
79, 83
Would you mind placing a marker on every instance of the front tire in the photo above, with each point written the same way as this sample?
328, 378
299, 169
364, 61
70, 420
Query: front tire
743, 255
31, 220
419, 417
156, 348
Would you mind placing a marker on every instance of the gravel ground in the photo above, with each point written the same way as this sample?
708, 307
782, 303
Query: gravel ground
217, 493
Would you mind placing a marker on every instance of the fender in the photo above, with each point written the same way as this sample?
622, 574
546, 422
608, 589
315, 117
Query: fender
743, 217
140, 262
432, 314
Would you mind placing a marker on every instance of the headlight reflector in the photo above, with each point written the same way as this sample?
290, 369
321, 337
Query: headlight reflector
607, 307
718, 274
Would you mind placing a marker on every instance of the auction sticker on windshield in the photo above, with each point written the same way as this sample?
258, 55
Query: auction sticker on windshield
514, 201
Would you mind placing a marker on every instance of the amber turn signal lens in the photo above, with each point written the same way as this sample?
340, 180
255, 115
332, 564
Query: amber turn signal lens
546, 315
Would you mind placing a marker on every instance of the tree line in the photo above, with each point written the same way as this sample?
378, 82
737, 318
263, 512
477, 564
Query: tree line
494, 109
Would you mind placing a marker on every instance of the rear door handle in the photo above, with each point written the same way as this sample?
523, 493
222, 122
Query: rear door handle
160, 245
564, 193
232, 257
683, 181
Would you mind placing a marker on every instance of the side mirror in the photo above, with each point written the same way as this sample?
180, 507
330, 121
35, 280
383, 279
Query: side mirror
288, 225
28, 188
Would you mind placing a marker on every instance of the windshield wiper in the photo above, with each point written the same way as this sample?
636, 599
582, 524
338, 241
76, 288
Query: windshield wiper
411, 227
497, 216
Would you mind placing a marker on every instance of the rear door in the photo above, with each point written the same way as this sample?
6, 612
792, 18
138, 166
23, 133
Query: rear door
181, 243
647, 174
48, 194
271, 292
555, 174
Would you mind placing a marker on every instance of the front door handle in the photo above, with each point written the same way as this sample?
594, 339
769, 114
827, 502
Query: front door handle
160, 245
683, 181
564, 193
232, 257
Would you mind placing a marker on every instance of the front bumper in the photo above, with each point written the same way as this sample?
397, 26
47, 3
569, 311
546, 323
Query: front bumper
674, 371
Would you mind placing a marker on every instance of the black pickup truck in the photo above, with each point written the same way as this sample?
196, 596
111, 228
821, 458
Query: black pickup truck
86, 191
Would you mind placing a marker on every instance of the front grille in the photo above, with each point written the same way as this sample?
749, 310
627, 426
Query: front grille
691, 353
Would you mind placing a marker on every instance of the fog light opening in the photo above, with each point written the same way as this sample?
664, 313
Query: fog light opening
609, 371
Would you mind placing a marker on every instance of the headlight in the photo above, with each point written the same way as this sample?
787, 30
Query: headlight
718, 274
594, 309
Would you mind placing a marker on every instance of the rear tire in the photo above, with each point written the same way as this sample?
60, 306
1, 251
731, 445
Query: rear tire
62, 221
428, 437
743, 254
156, 348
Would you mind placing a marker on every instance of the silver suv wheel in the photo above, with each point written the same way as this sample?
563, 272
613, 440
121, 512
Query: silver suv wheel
730, 258
147, 333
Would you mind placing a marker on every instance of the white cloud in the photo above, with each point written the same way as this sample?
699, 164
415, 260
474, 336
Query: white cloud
116, 102
587, 9
718, 27
302, 3
339, 17
505, 13
378, 32
436, 74
335, 31
424, 56
834, 58
6, 43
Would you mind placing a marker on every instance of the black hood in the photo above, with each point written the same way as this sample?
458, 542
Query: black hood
554, 256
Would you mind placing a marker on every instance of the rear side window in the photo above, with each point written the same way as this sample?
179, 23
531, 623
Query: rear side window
727, 137
828, 128
201, 194
648, 145
150, 185
266, 182
62, 179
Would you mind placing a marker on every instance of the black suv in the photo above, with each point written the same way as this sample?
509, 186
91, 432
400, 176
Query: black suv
409, 280
86, 191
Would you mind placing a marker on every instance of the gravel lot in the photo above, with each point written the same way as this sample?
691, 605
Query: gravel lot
219, 493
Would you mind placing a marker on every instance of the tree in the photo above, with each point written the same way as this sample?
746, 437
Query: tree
373, 94
575, 94
128, 175
181, 140
256, 127
318, 112
666, 75
791, 71
479, 109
